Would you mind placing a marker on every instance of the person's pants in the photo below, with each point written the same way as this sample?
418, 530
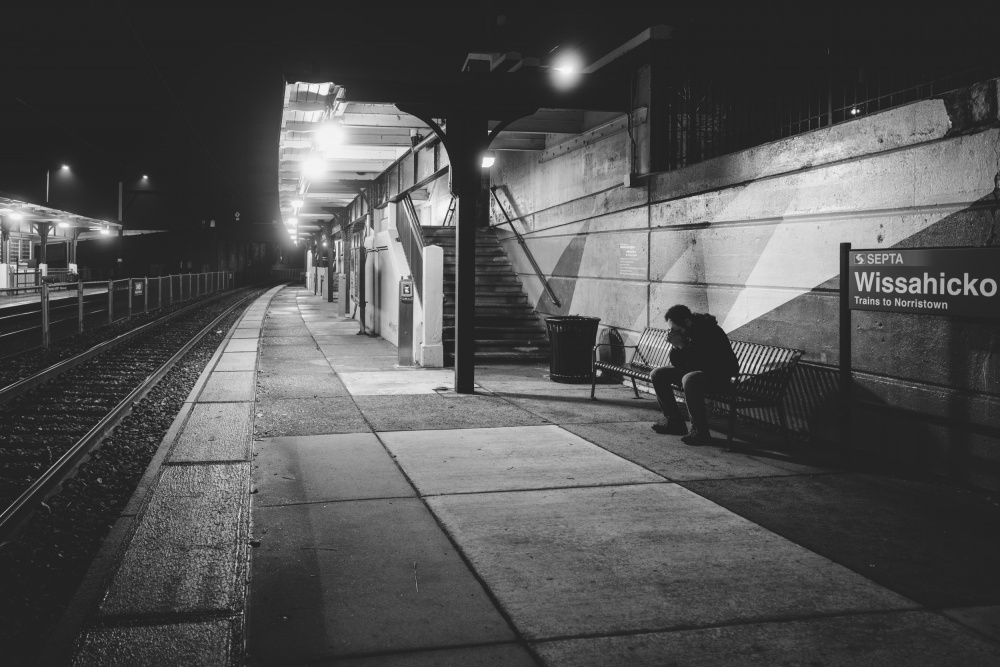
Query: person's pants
695, 385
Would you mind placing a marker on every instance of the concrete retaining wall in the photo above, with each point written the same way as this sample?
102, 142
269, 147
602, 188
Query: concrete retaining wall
753, 238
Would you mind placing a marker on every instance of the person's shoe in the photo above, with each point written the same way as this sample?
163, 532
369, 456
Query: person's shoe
697, 436
670, 426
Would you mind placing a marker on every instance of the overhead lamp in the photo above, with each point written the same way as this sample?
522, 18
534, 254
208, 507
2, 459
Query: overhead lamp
63, 223
566, 70
488, 159
145, 177
314, 167
65, 167
292, 221
297, 204
16, 216
105, 229
324, 244
329, 134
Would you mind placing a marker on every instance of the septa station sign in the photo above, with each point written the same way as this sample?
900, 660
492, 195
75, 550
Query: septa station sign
961, 282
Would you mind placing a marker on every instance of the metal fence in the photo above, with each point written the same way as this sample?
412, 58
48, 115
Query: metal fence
21, 277
715, 114
38, 315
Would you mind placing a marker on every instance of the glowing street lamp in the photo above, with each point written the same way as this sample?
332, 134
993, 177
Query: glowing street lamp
64, 169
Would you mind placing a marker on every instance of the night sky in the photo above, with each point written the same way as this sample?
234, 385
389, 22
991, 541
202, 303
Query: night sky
190, 93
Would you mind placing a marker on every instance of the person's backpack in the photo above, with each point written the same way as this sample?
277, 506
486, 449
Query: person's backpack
611, 351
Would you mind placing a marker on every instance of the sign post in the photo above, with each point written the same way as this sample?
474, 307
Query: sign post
960, 282
845, 354
405, 342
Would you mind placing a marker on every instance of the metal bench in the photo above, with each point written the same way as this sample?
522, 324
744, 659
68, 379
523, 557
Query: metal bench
765, 372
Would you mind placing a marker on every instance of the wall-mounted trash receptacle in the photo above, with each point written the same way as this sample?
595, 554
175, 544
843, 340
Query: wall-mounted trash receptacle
571, 338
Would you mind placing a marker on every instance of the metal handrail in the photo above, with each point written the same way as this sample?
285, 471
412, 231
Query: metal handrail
527, 252
411, 236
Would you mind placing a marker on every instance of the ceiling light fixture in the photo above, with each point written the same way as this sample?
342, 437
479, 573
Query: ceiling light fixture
329, 134
566, 70
314, 167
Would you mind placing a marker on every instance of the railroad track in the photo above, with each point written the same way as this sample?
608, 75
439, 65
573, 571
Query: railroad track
52, 421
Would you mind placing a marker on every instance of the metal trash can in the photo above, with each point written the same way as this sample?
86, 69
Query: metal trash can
571, 339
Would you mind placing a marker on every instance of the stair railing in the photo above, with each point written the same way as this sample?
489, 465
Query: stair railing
412, 239
527, 252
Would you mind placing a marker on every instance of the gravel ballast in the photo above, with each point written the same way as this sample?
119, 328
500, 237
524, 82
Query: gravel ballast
41, 568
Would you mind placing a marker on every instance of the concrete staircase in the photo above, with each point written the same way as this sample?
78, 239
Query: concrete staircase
507, 328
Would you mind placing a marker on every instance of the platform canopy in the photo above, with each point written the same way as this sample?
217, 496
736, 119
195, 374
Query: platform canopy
14, 210
330, 148
337, 136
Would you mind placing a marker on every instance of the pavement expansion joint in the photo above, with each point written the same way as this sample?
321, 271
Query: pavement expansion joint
331, 501
545, 488
775, 620
164, 618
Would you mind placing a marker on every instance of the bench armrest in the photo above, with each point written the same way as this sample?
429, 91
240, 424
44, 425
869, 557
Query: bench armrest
614, 345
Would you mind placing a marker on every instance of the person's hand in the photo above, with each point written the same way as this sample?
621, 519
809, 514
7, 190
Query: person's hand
675, 338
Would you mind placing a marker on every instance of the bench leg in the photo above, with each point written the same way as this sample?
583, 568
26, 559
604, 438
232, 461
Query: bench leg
784, 425
635, 388
593, 385
732, 422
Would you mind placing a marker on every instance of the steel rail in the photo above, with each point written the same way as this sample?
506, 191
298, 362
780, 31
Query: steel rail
20, 387
14, 516
527, 251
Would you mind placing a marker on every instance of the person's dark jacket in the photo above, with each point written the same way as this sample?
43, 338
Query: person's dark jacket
707, 349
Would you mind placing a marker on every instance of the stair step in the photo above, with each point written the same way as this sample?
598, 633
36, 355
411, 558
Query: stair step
534, 337
493, 298
511, 342
494, 290
484, 271
480, 257
497, 312
492, 317
507, 329
506, 281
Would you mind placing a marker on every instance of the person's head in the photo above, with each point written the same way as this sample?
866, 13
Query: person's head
678, 318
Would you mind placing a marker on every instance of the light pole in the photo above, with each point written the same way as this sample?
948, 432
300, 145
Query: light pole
120, 244
48, 178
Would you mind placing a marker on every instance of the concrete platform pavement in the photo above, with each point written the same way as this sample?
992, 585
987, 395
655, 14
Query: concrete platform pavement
394, 522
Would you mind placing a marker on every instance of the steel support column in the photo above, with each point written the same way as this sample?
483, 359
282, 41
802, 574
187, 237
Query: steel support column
330, 249
467, 138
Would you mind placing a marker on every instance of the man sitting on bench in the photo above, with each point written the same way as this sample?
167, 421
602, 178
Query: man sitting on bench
701, 361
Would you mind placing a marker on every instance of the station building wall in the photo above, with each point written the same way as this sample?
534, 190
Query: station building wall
753, 238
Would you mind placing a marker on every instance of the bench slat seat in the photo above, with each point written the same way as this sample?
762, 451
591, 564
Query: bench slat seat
765, 372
